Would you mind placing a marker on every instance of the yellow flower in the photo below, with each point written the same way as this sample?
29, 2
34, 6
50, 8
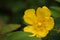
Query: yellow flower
40, 21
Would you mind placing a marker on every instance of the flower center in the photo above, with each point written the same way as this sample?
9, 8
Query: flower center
39, 24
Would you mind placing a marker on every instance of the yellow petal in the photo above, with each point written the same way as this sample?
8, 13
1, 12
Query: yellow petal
29, 16
43, 33
44, 12
49, 23
32, 35
29, 29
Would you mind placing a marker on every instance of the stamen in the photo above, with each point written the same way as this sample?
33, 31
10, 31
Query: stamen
39, 23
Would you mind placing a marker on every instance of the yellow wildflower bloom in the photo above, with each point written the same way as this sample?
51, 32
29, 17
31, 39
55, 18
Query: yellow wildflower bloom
40, 21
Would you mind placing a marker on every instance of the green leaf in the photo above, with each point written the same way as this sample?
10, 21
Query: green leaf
20, 36
9, 28
58, 0
55, 11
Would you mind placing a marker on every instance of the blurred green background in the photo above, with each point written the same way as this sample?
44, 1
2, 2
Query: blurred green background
12, 11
